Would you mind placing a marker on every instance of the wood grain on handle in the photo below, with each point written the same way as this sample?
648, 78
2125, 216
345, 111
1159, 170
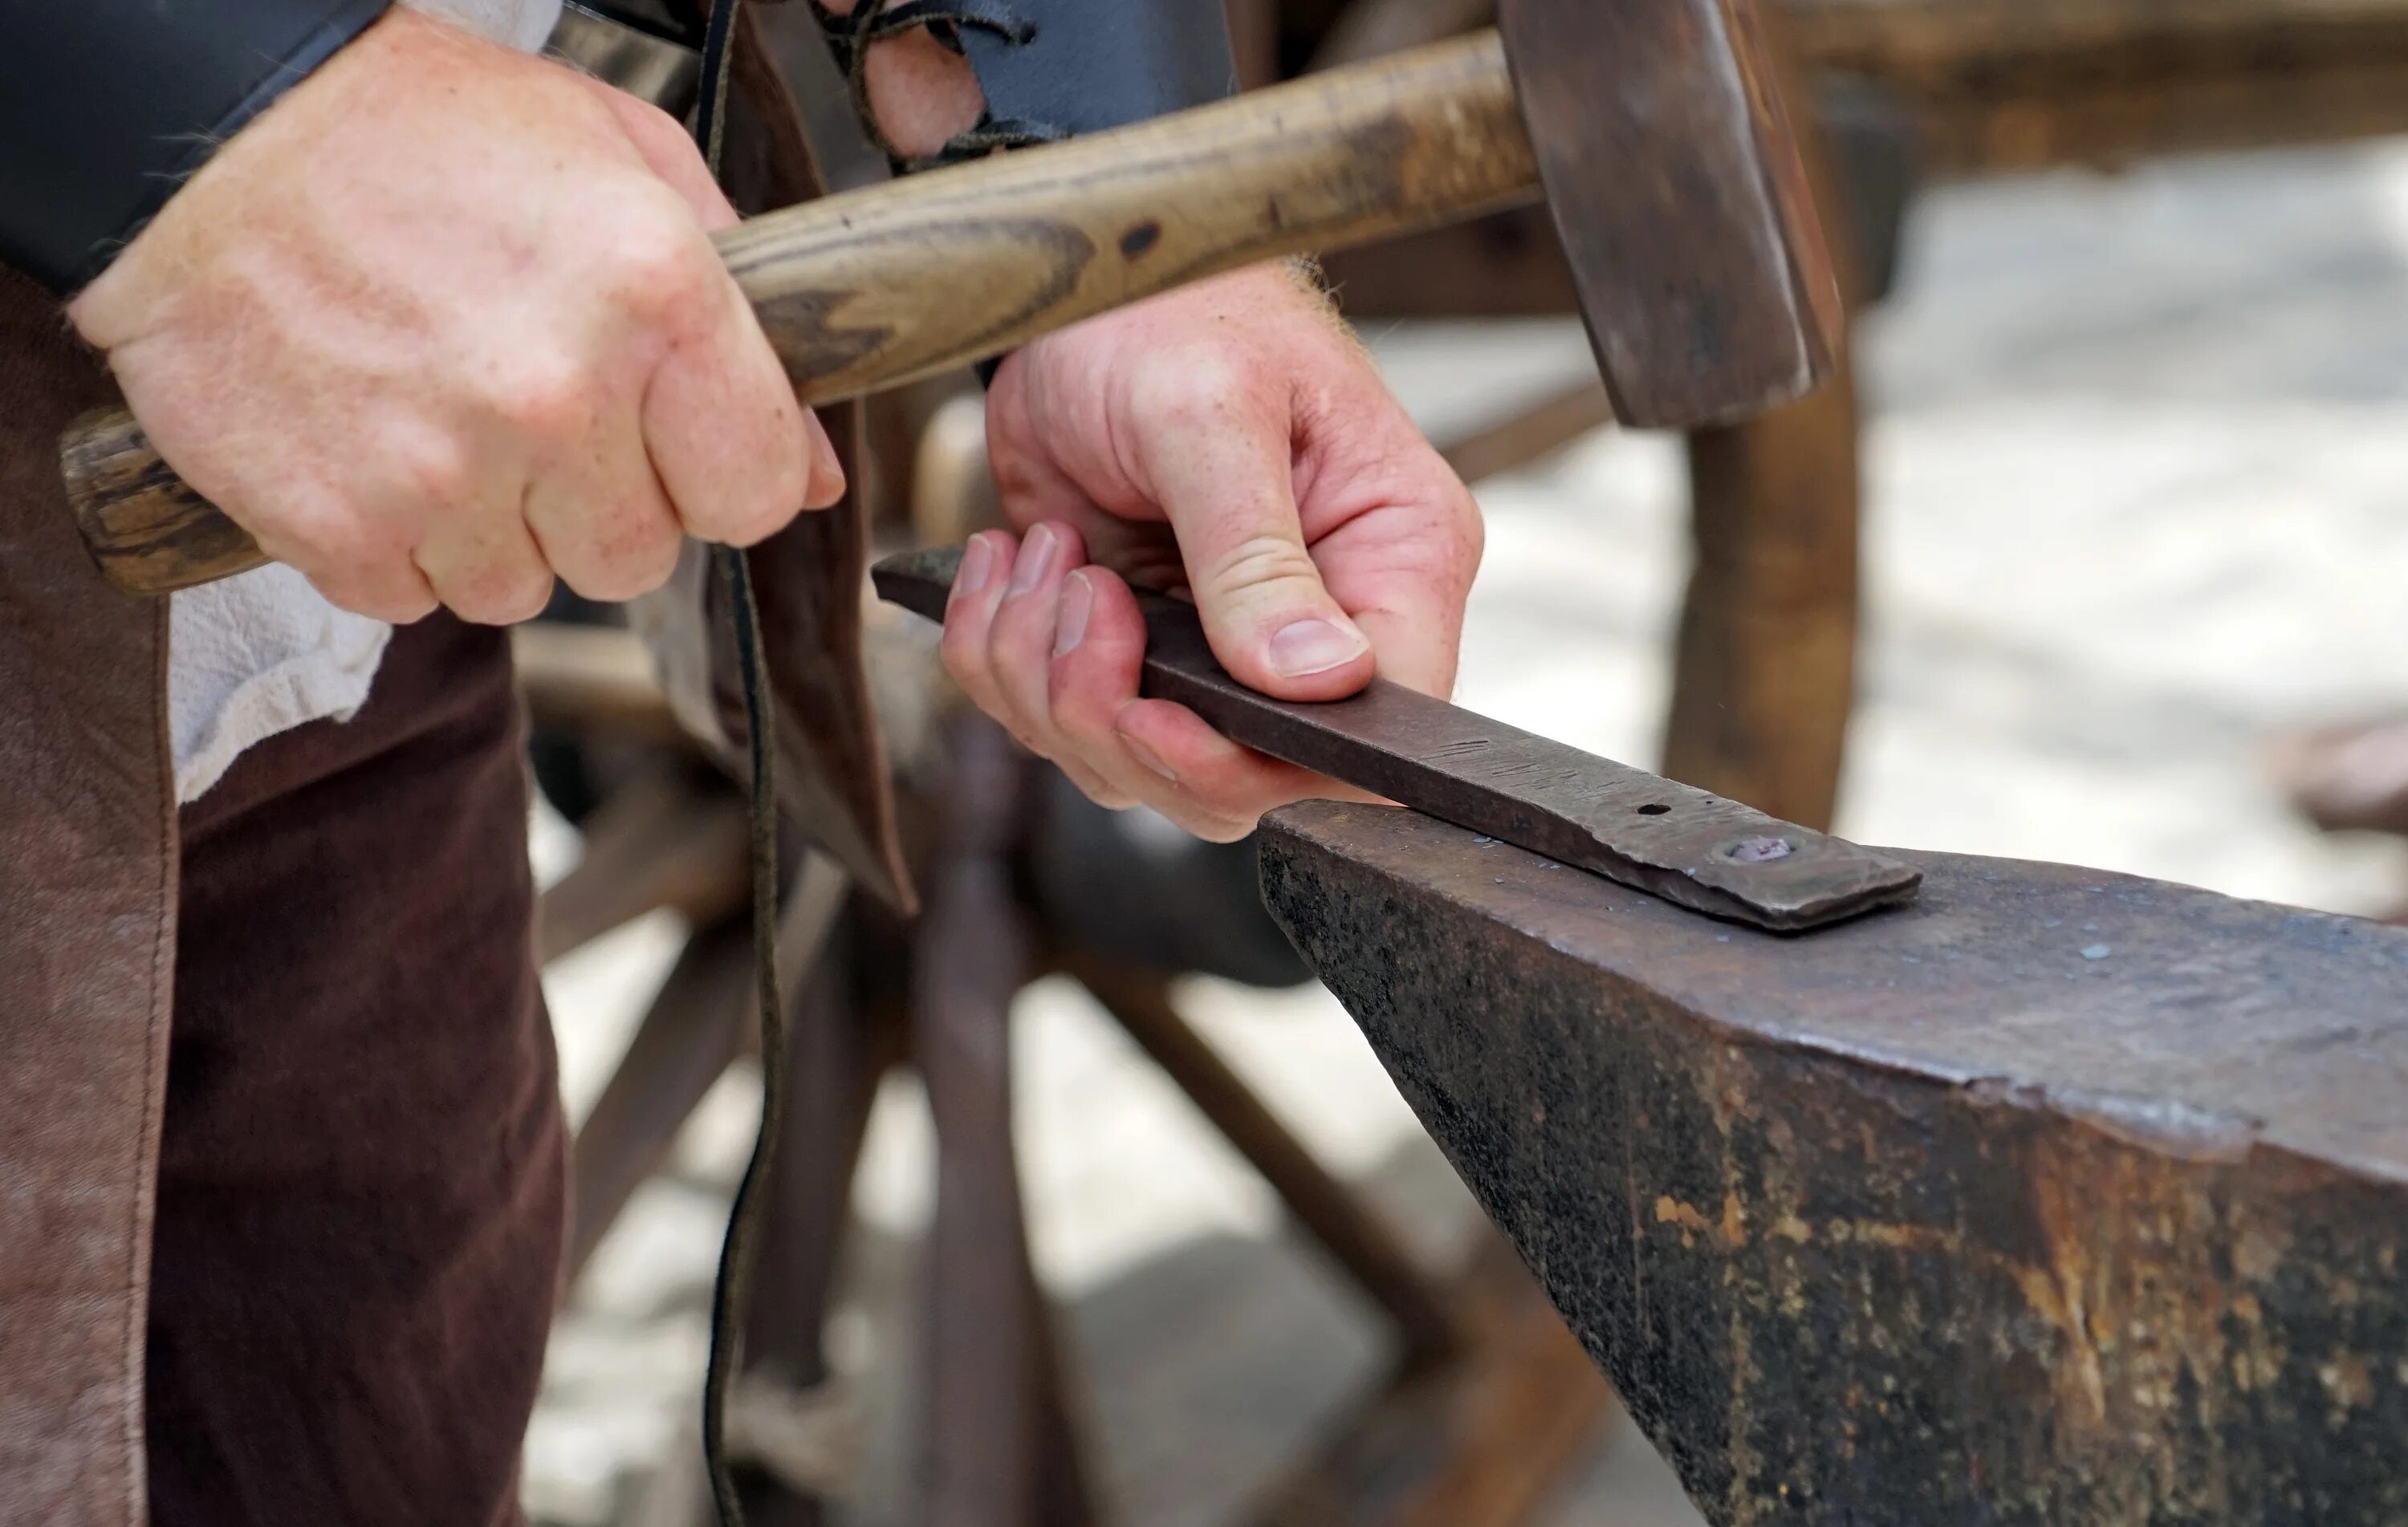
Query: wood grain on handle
874, 288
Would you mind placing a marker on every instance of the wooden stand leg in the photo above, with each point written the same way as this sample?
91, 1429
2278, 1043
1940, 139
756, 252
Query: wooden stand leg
1494, 1397
1000, 1453
1766, 667
1329, 1211
1476, 1442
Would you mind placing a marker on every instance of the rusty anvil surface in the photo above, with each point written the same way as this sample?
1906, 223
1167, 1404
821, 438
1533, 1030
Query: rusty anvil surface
2057, 1198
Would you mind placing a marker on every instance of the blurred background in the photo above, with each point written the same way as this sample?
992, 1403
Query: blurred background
2108, 532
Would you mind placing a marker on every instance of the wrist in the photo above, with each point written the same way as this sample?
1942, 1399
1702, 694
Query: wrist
128, 101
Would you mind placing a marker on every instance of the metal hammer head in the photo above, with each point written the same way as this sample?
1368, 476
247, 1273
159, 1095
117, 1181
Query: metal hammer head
1682, 201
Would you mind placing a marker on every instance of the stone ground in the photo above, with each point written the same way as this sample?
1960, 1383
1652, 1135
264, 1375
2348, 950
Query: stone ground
2139, 498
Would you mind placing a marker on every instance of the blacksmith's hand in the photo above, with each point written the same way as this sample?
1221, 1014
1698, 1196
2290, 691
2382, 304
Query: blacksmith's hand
1231, 441
446, 321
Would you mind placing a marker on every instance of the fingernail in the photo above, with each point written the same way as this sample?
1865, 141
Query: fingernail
1314, 645
1146, 756
827, 473
1071, 626
1036, 559
978, 565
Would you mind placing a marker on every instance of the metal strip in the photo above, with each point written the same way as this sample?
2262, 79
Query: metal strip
1642, 830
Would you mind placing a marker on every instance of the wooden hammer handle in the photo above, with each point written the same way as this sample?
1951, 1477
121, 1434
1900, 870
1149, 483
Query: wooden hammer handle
878, 287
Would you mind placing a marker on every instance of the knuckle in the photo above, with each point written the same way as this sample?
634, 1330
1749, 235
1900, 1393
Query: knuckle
501, 595
1462, 533
434, 469
771, 492
1094, 787
1195, 384
1208, 823
964, 656
636, 562
1263, 560
660, 268
1471, 530
746, 515
542, 394
655, 127
340, 542
1470, 548
385, 593
1447, 553
375, 601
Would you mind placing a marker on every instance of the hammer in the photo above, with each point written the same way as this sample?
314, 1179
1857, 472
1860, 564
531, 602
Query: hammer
1652, 127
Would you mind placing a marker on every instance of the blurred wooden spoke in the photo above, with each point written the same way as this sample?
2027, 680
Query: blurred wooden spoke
597, 680
701, 1022
1333, 1214
1537, 432
2006, 84
673, 838
1476, 1442
1492, 1398
954, 494
2348, 777
997, 1433
693, 1032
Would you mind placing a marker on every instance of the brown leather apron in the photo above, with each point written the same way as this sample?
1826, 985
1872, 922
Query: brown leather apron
290, 1257
350, 1147
87, 901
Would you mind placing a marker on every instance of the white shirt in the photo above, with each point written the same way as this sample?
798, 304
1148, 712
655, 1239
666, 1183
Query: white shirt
263, 652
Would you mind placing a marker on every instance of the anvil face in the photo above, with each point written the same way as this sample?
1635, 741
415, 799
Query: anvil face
2055, 1198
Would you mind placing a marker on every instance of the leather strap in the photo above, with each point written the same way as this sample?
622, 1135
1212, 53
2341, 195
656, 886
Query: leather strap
749, 1211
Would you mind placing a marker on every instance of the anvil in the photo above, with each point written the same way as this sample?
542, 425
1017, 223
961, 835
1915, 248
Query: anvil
2053, 1198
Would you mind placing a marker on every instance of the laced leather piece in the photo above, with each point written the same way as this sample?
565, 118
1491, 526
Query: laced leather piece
850, 38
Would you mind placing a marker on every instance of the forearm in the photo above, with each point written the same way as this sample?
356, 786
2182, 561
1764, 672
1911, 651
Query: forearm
120, 101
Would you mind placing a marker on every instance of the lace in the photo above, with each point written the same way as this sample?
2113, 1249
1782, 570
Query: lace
851, 37
751, 1208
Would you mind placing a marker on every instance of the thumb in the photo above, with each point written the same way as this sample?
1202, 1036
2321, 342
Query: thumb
1229, 494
